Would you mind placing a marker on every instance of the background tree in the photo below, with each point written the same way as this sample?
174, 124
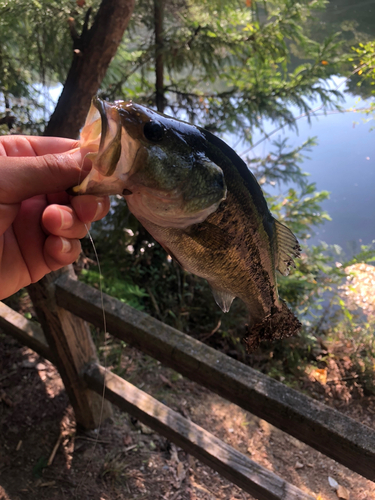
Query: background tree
37, 49
225, 64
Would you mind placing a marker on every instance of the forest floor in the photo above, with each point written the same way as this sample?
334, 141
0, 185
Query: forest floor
127, 460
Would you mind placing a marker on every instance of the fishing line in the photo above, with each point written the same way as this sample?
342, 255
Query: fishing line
105, 357
104, 322
105, 354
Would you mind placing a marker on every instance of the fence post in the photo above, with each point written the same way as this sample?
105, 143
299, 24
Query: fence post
72, 347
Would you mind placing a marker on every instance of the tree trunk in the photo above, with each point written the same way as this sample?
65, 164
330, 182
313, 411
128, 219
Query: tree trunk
94, 51
159, 63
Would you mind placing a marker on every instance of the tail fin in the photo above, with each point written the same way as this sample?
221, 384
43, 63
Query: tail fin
281, 323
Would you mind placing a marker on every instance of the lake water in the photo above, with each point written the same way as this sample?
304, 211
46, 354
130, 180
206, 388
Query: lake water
342, 163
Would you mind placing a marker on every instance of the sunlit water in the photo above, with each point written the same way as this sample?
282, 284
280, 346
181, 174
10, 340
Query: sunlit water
342, 163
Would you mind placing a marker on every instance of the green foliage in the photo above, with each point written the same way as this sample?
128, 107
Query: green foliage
300, 207
281, 166
36, 49
363, 61
301, 210
116, 285
226, 65
317, 278
43, 47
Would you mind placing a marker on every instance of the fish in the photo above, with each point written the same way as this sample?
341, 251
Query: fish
200, 201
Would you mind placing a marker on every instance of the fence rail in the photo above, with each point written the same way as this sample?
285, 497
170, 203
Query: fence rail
63, 302
325, 429
238, 468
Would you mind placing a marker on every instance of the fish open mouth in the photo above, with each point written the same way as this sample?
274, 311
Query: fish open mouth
101, 136
101, 141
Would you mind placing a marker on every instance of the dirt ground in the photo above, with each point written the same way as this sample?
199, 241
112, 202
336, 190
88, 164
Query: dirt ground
44, 456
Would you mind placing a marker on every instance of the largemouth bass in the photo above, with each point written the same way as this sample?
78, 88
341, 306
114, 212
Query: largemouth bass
199, 200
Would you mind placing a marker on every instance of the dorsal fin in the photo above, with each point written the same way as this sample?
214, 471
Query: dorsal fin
287, 247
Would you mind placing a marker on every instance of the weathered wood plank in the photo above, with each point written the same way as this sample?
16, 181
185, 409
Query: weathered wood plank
70, 343
25, 331
323, 428
236, 467
239, 469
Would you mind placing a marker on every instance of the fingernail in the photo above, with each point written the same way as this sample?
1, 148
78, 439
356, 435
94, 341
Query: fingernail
66, 219
100, 208
66, 245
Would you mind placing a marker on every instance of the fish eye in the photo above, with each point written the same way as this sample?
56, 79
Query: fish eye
153, 131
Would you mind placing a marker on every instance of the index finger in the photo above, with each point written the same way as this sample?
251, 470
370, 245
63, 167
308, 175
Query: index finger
22, 145
25, 177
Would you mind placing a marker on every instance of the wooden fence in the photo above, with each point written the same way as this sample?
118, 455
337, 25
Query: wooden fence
63, 306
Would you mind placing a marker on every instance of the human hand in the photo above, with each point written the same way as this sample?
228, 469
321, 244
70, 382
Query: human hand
40, 225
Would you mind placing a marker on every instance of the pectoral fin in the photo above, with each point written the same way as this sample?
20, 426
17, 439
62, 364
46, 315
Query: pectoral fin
223, 299
172, 255
287, 247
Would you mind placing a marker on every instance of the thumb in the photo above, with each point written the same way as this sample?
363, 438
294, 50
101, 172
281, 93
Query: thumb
24, 177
